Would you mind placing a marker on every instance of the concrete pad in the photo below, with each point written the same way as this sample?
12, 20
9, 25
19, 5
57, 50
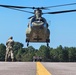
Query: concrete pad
61, 68
17, 68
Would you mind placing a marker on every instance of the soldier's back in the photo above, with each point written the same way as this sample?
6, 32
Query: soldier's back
10, 42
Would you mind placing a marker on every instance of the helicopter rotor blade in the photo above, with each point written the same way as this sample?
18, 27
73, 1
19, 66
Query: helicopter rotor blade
7, 6
10, 6
22, 10
60, 5
31, 17
58, 12
45, 8
15, 8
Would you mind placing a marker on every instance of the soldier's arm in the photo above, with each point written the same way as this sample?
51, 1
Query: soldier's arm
12, 43
6, 43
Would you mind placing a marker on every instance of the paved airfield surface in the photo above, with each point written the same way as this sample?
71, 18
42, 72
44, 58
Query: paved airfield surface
31, 68
17, 68
61, 68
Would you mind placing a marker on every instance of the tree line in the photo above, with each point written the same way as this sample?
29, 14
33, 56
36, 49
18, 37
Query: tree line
59, 54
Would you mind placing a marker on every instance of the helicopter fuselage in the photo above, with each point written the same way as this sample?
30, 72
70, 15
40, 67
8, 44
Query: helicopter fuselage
37, 31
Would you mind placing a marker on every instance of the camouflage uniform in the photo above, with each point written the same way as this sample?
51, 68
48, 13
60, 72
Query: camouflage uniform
9, 49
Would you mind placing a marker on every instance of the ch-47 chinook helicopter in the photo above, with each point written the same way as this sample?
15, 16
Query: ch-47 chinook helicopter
37, 30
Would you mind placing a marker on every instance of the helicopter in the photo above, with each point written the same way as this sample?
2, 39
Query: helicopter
37, 30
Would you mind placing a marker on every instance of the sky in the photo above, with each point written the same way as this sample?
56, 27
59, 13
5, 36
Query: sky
62, 26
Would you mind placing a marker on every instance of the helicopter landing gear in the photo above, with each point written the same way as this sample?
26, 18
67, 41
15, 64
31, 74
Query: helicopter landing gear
47, 41
27, 42
47, 44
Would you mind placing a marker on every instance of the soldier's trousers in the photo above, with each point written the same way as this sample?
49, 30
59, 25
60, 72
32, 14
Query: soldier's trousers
9, 54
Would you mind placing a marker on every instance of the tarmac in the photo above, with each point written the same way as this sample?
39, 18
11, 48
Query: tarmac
35, 68
17, 68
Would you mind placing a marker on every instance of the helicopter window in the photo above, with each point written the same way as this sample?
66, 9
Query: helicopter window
33, 19
40, 21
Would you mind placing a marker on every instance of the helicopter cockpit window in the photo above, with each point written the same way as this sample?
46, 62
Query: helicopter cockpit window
38, 22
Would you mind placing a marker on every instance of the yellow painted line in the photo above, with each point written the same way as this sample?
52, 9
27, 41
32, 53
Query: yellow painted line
41, 70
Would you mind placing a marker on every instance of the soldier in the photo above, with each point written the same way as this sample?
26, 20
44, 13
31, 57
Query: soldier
9, 49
